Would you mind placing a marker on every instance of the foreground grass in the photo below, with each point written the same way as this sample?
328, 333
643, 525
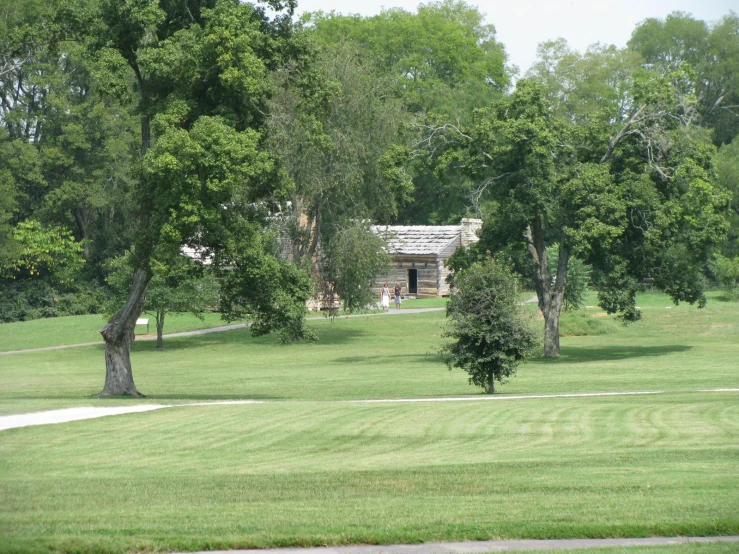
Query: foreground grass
308, 468
312, 473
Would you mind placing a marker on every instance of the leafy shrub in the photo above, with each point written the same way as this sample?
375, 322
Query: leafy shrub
491, 333
26, 299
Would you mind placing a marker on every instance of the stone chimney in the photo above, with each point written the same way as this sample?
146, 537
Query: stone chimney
470, 228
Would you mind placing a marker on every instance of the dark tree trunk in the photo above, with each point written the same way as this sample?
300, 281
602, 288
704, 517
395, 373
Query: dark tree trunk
491, 383
80, 217
550, 294
118, 335
160, 328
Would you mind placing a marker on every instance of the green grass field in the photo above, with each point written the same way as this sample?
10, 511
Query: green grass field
323, 460
40, 333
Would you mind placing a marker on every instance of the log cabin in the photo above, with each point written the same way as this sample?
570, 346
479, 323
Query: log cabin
419, 253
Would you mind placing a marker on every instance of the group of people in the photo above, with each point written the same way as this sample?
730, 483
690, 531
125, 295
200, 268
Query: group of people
385, 296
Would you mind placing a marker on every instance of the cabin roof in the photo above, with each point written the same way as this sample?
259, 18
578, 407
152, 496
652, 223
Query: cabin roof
418, 240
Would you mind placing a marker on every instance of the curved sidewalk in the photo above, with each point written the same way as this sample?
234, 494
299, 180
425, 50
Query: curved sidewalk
483, 546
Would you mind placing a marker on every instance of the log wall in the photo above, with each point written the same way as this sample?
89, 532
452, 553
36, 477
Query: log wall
431, 276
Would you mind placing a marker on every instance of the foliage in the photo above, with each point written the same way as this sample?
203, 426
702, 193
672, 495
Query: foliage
710, 56
463, 258
585, 85
726, 162
443, 58
67, 150
350, 264
491, 334
320, 124
726, 271
50, 253
199, 182
439, 63
7, 207
269, 291
28, 299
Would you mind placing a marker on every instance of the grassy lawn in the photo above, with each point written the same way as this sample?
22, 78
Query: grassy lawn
311, 465
79, 329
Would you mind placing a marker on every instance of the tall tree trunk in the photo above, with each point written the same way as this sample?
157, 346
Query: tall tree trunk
160, 328
491, 383
550, 294
118, 335
551, 332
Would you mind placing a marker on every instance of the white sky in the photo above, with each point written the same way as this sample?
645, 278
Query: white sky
522, 24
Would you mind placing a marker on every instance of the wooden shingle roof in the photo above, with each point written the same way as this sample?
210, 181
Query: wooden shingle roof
418, 240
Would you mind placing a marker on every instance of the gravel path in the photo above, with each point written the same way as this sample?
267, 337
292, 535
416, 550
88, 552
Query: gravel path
484, 546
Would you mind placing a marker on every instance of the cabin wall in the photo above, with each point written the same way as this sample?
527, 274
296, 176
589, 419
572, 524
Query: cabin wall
428, 275
443, 272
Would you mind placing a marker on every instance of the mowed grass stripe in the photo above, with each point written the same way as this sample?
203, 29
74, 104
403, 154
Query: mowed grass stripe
317, 434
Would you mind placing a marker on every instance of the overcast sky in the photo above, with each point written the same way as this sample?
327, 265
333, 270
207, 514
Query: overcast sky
522, 24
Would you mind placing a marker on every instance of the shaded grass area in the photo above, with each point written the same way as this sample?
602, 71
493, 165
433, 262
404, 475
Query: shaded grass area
307, 473
79, 329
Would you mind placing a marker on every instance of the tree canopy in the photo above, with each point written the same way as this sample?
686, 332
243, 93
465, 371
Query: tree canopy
490, 334
630, 194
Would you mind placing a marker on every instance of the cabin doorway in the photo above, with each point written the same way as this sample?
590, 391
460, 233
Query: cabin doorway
412, 281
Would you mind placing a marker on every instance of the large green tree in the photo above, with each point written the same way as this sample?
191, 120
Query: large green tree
710, 56
443, 62
338, 128
66, 145
630, 193
727, 172
442, 58
200, 70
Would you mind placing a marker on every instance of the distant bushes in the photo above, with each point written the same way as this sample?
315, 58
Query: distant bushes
28, 299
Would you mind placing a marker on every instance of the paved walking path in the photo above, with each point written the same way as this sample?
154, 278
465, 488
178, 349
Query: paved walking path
65, 415
219, 330
483, 546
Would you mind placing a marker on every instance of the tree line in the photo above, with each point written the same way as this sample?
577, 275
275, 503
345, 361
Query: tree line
265, 144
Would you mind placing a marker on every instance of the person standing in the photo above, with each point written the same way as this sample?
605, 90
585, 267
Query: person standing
397, 291
385, 297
